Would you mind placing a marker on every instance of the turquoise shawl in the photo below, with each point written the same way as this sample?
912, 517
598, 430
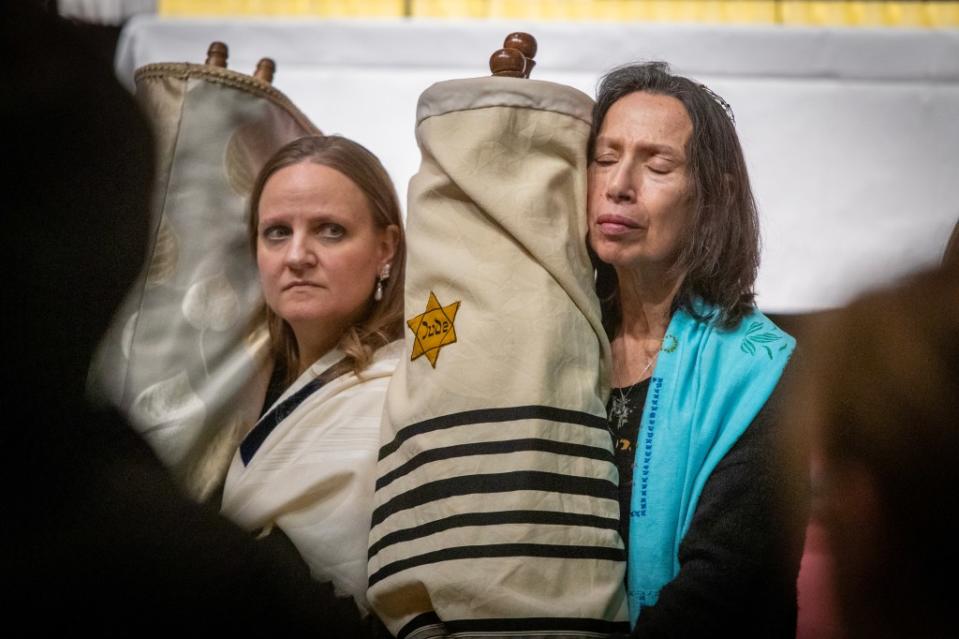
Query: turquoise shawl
708, 385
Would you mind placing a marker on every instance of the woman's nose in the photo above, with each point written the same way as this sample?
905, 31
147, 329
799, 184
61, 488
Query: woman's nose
300, 253
622, 186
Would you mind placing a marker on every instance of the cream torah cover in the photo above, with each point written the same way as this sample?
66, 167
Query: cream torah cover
185, 348
496, 505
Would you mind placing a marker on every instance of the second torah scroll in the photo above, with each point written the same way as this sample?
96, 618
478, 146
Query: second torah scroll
496, 501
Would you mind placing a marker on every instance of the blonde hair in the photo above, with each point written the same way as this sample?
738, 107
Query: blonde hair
383, 323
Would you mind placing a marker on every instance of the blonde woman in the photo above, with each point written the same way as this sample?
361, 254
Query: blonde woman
326, 231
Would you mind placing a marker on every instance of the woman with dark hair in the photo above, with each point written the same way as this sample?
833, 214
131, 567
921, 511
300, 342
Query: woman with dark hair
326, 232
674, 229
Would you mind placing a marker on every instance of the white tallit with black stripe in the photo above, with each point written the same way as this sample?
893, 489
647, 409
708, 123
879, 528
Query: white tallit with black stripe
496, 505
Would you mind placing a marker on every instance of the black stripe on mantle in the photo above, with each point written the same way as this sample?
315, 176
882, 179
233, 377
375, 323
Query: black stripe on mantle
497, 483
604, 553
537, 517
516, 627
496, 448
493, 415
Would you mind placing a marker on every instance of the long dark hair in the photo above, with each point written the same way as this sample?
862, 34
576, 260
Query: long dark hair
383, 323
720, 255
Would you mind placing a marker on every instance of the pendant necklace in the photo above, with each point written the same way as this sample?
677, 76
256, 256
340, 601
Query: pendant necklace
620, 411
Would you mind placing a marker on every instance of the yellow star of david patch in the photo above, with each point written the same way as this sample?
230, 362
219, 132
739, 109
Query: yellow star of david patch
433, 329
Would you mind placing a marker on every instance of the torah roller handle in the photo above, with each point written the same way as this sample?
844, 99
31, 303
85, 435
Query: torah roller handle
265, 69
515, 59
218, 53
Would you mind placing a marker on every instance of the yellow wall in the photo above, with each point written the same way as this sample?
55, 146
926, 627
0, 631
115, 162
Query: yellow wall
901, 13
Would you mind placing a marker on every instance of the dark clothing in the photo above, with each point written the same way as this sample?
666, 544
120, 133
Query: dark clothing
740, 558
624, 446
97, 537
107, 543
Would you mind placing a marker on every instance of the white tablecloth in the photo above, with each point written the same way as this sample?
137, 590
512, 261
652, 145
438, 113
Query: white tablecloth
851, 135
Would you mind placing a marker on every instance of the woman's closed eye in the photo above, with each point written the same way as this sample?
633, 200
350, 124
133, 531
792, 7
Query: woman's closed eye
605, 159
660, 166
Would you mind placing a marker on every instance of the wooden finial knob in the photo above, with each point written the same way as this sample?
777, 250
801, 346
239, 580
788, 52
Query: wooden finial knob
217, 54
525, 42
507, 62
265, 69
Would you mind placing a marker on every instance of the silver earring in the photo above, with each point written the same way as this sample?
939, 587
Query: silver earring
384, 275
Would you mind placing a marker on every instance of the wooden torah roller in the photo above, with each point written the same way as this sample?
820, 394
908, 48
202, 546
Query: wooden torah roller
515, 59
218, 53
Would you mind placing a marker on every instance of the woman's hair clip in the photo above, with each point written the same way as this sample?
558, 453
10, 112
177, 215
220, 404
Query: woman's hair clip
719, 100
